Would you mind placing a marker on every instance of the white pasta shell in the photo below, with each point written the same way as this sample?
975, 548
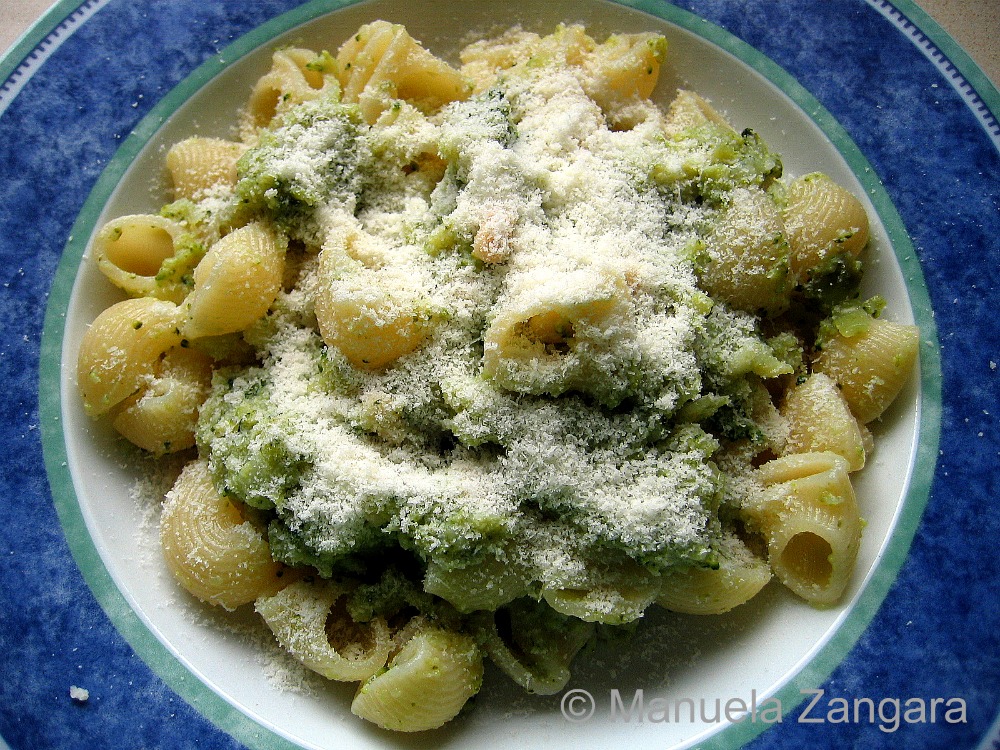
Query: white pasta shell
872, 367
688, 110
821, 218
290, 81
162, 418
214, 551
426, 684
130, 251
810, 519
820, 419
605, 603
122, 348
622, 69
382, 62
307, 622
235, 283
748, 254
198, 164
373, 316
708, 591
359, 55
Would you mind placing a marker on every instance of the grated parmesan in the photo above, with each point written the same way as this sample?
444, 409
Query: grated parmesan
559, 453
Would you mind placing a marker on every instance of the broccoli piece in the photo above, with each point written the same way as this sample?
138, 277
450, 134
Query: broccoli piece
834, 281
484, 117
392, 593
289, 548
246, 453
850, 318
469, 126
315, 157
738, 161
715, 161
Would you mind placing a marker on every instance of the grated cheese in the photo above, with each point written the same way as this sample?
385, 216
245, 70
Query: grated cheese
536, 421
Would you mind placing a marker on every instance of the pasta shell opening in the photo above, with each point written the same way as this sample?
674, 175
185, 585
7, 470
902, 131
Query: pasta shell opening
807, 557
139, 248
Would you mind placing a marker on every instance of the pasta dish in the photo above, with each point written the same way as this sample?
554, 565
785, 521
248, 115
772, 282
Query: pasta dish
468, 362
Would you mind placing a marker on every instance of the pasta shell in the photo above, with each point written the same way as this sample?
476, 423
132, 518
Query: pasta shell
426, 684
623, 68
121, 350
620, 595
689, 110
706, 591
373, 316
162, 418
296, 75
822, 218
533, 644
213, 550
197, 165
383, 62
235, 283
748, 255
306, 620
810, 519
872, 367
820, 419
489, 583
130, 251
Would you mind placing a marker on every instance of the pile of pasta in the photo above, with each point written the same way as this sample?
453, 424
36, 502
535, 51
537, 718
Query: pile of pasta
196, 286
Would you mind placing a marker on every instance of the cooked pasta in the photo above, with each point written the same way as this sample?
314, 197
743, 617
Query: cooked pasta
483, 584
235, 283
871, 366
475, 361
623, 70
123, 348
533, 644
382, 62
200, 165
373, 316
739, 577
426, 683
549, 337
810, 519
819, 419
748, 254
212, 546
296, 76
689, 110
306, 619
136, 252
162, 417
822, 220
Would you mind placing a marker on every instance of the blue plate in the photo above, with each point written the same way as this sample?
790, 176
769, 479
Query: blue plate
912, 118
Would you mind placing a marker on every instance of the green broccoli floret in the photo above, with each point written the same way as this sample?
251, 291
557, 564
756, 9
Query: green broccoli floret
484, 117
734, 419
716, 160
739, 161
469, 126
289, 548
833, 281
246, 452
316, 156
390, 594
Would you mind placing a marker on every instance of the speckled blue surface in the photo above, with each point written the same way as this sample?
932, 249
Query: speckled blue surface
937, 632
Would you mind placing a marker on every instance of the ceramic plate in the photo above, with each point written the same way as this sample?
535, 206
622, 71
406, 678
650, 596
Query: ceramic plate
873, 93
